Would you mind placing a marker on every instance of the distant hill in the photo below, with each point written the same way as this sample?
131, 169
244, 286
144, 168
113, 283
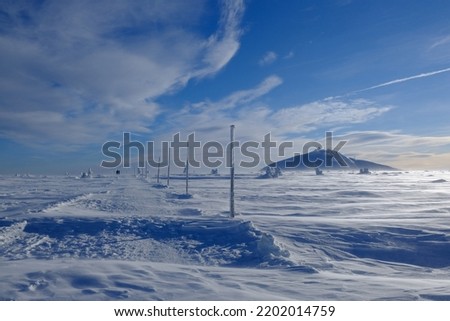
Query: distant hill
327, 159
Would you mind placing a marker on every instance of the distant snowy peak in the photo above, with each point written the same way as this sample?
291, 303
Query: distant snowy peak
326, 158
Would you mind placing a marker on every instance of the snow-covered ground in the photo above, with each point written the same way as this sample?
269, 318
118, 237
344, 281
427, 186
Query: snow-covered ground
340, 236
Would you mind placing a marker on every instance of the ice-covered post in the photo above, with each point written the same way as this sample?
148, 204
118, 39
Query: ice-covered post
187, 170
168, 169
159, 165
231, 155
146, 170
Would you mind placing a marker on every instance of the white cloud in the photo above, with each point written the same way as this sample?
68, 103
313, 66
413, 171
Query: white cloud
404, 151
326, 113
419, 161
78, 71
210, 120
242, 97
398, 141
441, 42
254, 119
223, 45
268, 58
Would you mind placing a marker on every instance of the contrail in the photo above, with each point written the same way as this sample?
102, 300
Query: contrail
392, 82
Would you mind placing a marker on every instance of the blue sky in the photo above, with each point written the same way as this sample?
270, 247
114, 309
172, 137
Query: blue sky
75, 74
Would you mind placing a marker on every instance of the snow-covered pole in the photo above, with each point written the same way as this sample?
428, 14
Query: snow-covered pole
187, 170
231, 171
168, 169
159, 165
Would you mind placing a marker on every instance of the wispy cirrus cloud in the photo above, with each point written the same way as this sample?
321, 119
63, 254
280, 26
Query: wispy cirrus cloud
397, 140
268, 58
254, 118
327, 113
211, 119
220, 47
75, 72
241, 97
404, 151
441, 42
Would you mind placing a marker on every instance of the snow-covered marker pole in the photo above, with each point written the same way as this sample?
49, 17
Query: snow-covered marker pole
159, 165
231, 155
168, 168
146, 171
187, 170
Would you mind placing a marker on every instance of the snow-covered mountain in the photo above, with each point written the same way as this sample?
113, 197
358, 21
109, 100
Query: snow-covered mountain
329, 159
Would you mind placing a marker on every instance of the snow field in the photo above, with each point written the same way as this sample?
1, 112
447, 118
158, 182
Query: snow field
339, 236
